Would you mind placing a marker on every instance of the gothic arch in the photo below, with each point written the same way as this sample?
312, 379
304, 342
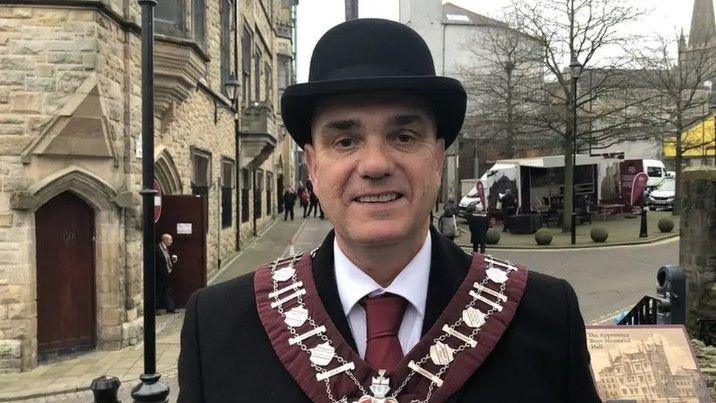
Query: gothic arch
95, 191
166, 172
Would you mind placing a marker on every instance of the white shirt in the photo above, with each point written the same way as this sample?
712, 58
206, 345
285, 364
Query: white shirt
411, 284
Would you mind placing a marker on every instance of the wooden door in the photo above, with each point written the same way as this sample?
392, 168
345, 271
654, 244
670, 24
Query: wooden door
65, 276
184, 218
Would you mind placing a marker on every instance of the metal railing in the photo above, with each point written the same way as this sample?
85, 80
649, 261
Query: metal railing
643, 313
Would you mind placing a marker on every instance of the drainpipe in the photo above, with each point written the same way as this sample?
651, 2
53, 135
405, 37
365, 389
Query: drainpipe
237, 131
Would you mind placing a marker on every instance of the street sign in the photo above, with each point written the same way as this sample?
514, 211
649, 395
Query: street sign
157, 201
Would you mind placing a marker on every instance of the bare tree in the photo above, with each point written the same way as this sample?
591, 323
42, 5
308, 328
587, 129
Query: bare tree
587, 31
503, 78
679, 78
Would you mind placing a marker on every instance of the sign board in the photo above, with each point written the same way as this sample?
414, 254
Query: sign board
627, 171
645, 363
157, 201
184, 228
637, 189
481, 194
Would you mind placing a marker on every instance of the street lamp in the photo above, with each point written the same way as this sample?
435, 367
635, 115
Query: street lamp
575, 69
150, 389
231, 85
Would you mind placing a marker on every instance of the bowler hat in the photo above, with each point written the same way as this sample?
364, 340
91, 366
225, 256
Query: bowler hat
366, 55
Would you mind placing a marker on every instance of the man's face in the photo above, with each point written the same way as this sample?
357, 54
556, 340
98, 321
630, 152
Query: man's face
168, 241
376, 165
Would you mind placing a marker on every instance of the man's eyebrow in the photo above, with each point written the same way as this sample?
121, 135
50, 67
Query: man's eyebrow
400, 120
346, 124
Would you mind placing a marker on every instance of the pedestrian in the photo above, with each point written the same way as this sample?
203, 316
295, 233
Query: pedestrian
509, 206
478, 223
164, 264
447, 224
450, 206
387, 308
312, 203
289, 200
303, 198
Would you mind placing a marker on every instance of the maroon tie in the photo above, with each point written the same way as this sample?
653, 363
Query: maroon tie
384, 314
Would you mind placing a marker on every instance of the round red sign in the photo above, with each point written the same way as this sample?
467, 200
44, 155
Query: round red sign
157, 201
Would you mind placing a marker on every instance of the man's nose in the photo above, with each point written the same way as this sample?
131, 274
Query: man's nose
375, 162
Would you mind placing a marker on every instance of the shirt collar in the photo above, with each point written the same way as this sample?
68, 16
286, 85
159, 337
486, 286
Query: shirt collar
411, 283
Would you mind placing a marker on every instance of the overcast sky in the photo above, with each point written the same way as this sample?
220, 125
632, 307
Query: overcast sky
315, 17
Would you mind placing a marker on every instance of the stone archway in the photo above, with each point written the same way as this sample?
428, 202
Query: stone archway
166, 172
100, 199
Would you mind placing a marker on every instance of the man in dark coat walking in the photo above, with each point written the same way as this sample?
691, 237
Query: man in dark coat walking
164, 266
289, 201
386, 309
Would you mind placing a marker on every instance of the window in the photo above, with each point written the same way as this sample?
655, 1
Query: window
284, 73
246, 66
258, 188
227, 181
225, 41
173, 18
257, 76
269, 190
268, 88
245, 188
654, 172
201, 167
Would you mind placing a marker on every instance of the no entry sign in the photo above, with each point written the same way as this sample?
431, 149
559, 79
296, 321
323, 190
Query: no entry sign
157, 201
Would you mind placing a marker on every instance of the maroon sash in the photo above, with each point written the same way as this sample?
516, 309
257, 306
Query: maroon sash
460, 370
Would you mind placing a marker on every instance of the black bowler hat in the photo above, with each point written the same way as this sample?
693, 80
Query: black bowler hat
373, 55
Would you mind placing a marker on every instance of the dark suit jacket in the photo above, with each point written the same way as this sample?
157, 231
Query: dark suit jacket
542, 356
161, 267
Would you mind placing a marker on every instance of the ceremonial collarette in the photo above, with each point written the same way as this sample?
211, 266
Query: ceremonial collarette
336, 366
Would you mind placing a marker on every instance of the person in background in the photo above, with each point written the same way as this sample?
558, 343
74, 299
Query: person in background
289, 201
450, 206
303, 198
477, 221
164, 266
509, 205
312, 203
447, 224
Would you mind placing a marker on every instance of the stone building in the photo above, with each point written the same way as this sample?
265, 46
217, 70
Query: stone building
70, 157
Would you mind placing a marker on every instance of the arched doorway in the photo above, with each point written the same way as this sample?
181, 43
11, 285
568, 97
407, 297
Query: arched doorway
64, 230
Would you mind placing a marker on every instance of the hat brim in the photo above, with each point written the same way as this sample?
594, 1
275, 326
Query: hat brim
446, 97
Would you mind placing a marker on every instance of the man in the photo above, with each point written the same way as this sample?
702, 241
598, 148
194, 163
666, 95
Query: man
164, 266
289, 201
386, 309
509, 207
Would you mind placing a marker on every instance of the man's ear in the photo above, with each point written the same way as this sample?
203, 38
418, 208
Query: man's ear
440, 155
311, 162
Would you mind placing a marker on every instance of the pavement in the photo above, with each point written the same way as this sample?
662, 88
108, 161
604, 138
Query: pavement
606, 280
622, 231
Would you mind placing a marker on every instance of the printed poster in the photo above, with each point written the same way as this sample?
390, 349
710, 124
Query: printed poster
645, 364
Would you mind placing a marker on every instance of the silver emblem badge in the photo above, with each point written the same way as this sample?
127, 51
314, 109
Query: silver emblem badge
473, 317
441, 353
380, 388
322, 354
296, 316
496, 275
284, 273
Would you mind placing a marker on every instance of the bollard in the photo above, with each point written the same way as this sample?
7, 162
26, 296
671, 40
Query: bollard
672, 287
643, 231
105, 389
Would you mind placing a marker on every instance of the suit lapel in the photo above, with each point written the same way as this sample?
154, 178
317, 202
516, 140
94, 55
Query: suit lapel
448, 266
325, 279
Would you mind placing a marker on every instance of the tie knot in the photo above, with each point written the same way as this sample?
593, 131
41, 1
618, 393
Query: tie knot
384, 315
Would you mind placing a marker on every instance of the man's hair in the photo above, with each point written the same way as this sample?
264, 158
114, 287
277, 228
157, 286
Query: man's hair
165, 237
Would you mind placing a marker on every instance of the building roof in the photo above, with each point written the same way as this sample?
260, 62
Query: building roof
456, 15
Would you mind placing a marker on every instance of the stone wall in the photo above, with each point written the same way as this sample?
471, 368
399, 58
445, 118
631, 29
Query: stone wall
697, 255
706, 356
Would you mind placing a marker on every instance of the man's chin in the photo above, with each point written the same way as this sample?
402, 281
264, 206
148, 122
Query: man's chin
379, 236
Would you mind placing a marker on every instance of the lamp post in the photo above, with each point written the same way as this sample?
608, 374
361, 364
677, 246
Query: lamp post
150, 389
575, 69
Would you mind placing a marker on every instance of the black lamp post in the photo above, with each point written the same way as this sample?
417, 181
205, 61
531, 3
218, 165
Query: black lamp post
150, 389
575, 69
